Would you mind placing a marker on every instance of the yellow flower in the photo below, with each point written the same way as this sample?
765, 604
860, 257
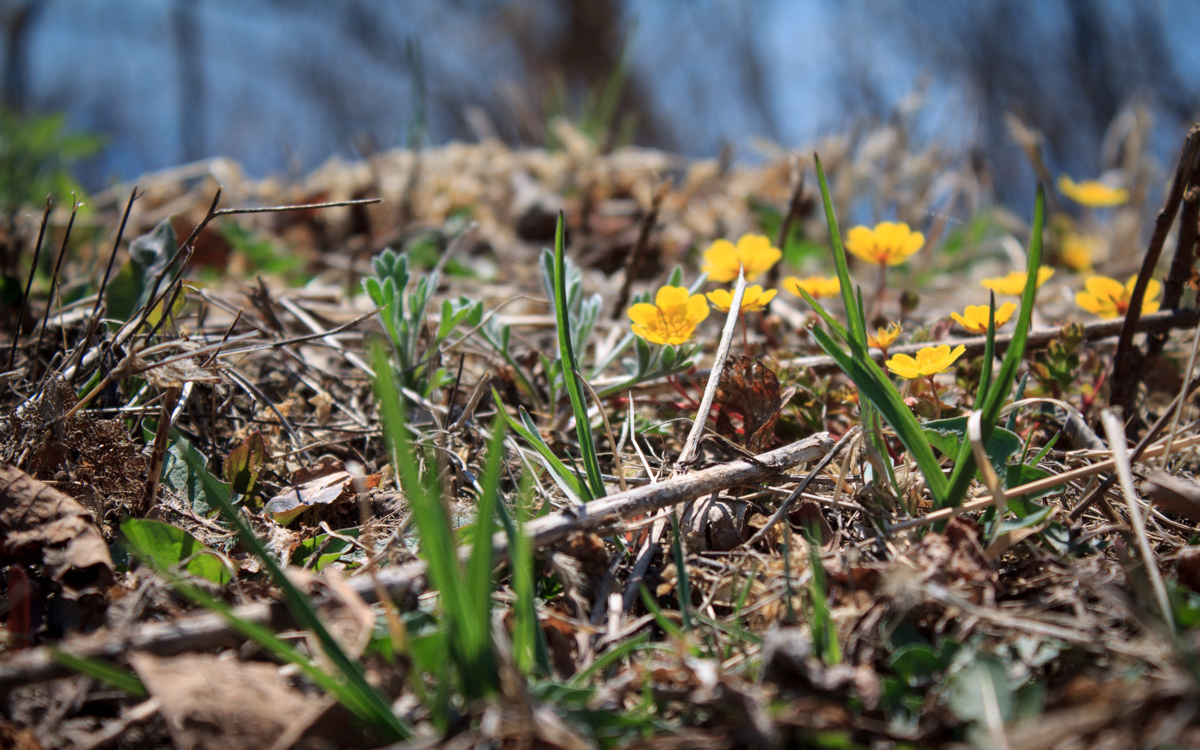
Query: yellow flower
1014, 283
887, 243
1079, 250
753, 299
1092, 193
930, 361
884, 337
975, 317
1109, 299
753, 253
816, 286
672, 318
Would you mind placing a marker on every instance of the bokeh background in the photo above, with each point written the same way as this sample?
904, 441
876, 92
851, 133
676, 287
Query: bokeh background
281, 86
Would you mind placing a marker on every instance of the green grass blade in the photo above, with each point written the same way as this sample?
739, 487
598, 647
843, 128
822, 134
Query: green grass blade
656, 611
989, 354
531, 436
306, 616
613, 655
471, 645
685, 591
479, 567
583, 430
875, 386
964, 469
525, 632
346, 692
102, 671
858, 326
834, 324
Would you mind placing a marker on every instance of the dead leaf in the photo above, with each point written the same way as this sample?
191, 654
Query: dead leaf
348, 618
324, 490
1173, 493
39, 523
749, 389
223, 704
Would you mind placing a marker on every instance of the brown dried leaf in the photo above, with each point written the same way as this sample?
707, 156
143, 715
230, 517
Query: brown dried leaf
323, 490
223, 704
38, 521
750, 389
1173, 493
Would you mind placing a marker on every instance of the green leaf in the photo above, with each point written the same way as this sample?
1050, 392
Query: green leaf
914, 661
242, 466
964, 468
980, 683
874, 385
947, 435
331, 552
185, 472
168, 546
469, 638
583, 429
858, 326
527, 430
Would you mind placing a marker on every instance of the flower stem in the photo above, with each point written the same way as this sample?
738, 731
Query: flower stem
937, 401
877, 307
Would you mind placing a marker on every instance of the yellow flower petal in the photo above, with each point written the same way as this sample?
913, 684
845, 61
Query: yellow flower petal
889, 243
1094, 305
671, 296
673, 320
643, 313
1104, 287
975, 317
697, 310
884, 337
1014, 283
904, 366
1092, 193
816, 286
722, 298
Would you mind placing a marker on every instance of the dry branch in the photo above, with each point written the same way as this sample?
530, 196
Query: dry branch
210, 630
1157, 322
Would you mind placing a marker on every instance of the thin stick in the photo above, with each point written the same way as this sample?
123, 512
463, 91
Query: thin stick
113, 255
1127, 366
692, 446
1148, 438
200, 632
636, 257
62, 253
800, 488
1040, 485
1115, 431
790, 214
678, 489
37, 252
298, 207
